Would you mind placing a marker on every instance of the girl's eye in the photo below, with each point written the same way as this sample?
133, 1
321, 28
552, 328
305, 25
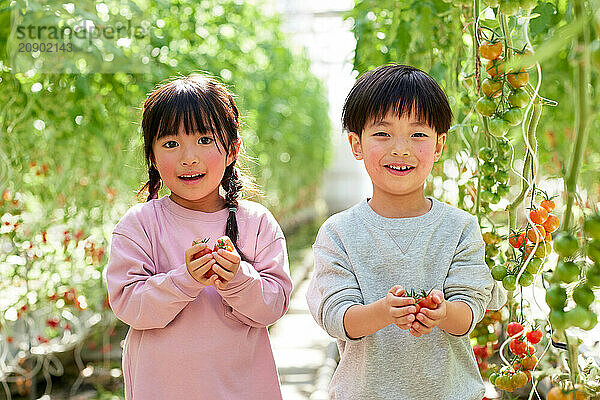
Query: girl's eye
170, 144
205, 140
420, 134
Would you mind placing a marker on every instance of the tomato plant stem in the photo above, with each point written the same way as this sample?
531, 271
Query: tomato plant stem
533, 122
582, 80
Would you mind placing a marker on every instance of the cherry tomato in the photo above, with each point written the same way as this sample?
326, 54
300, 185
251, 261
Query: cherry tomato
201, 253
514, 116
514, 329
592, 276
548, 205
543, 249
509, 7
518, 79
519, 379
490, 50
555, 394
567, 271
558, 320
577, 316
534, 265
518, 347
498, 127
491, 87
529, 362
517, 240
583, 295
536, 234
485, 106
593, 250
556, 297
528, 5
565, 244
224, 243
499, 272
486, 153
519, 98
551, 224
509, 282
495, 67
526, 279
591, 226
538, 215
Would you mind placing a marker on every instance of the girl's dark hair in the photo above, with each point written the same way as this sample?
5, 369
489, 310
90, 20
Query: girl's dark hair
202, 105
400, 88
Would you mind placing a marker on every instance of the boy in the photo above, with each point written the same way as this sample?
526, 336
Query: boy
369, 256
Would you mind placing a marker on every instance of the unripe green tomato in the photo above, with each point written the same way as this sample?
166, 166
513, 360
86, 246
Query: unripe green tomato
491, 250
534, 265
514, 116
488, 168
501, 176
591, 321
490, 262
486, 153
583, 295
509, 282
526, 279
485, 106
519, 98
509, 7
498, 127
504, 147
591, 226
496, 199
499, 272
558, 320
567, 271
577, 316
592, 276
544, 248
487, 182
565, 244
556, 297
493, 378
486, 195
593, 250
502, 189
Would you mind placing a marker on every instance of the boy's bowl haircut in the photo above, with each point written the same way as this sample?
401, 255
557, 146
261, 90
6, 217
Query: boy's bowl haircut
403, 89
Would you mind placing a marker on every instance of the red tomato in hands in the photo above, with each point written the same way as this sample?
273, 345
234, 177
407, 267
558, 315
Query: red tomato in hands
224, 243
201, 253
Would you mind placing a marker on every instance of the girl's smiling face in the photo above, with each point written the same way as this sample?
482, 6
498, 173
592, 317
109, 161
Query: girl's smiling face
192, 167
398, 154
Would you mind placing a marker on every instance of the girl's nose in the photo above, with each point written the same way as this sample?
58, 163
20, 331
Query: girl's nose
189, 158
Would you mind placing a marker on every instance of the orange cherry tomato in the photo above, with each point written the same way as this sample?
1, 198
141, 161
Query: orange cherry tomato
548, 205
539, 215
518, 79
536, 234
551, 224
495, 67
517, 241
490, 50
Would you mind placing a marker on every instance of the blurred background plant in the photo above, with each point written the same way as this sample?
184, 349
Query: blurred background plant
72, 160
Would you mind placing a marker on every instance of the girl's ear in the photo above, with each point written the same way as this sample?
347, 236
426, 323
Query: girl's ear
355, 145
232, 157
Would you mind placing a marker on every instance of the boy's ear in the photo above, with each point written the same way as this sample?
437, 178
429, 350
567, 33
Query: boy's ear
439, 147
232, 157
355, 145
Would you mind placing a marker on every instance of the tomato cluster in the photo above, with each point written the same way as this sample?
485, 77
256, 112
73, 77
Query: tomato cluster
504, 96
485, 335
568, 271
494, 172
525, 241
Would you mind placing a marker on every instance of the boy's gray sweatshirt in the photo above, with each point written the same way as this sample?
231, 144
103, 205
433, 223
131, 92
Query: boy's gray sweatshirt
359, 256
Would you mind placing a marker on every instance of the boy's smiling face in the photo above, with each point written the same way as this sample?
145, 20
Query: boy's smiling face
398, 154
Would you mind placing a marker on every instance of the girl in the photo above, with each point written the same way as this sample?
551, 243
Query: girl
198, 318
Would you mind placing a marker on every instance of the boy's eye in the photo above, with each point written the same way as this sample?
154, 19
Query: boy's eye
170, 144
420, 134
381, 134
205, 140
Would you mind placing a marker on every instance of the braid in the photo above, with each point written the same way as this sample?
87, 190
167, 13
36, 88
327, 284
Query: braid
154, 183
233, 187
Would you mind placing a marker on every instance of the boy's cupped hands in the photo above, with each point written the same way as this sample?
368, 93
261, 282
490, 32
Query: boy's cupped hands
406, 313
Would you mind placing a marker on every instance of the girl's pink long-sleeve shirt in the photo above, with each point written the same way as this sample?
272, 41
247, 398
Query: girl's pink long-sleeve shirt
188, 341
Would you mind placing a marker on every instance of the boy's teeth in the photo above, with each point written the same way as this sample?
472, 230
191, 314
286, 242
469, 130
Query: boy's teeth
399, 168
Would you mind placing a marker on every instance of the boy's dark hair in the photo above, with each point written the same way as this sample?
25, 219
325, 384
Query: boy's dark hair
399, 88
201, 104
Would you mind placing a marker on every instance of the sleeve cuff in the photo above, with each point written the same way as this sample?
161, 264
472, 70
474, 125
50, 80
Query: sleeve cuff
335, 322
184, 281
246, 272
476, 313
